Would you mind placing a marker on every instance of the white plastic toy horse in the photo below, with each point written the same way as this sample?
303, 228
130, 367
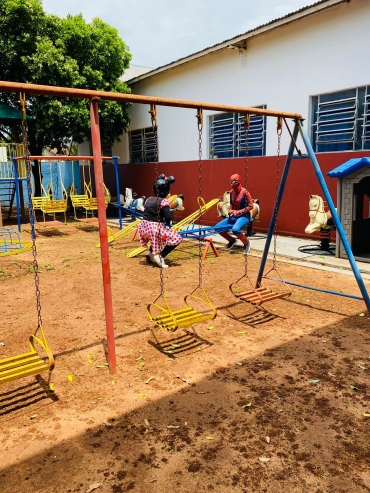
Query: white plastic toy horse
131, 203
319, 219
177, 204
223, 207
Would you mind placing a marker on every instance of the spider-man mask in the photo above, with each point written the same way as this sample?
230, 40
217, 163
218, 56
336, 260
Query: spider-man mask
235, 182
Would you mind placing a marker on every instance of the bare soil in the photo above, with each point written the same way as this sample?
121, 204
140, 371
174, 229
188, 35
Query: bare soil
252, 401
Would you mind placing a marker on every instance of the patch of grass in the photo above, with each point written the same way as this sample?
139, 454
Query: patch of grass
3, 272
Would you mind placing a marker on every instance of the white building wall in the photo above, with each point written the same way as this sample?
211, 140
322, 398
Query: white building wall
324, 52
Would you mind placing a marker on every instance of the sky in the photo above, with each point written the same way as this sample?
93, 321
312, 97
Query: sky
158, 32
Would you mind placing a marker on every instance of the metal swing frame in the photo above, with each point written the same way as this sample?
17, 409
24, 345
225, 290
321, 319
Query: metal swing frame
299, 130
94, 97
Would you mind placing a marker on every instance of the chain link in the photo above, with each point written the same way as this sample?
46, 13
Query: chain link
200, 130
153, 114
247, 119
279, 132
35, 265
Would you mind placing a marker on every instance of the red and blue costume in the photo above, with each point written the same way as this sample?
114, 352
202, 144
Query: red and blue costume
241, 203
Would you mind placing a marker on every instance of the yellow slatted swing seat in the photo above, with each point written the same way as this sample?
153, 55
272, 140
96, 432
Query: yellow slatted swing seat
86, 200
257, 295
31, 362
47, 203
201, 308
37, 201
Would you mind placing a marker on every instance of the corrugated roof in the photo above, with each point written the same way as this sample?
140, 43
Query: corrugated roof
349, 167
287, 18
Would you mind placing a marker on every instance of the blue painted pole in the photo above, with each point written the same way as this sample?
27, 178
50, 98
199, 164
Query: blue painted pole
15, 168
115, 162
335, 216
277, 206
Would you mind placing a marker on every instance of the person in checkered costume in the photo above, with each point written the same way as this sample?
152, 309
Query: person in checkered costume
241, 204
156, 224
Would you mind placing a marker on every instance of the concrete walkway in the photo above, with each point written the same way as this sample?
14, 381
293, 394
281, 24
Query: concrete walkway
287, 251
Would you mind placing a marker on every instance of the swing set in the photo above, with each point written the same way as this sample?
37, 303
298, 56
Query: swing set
31, 362
257, 294
48, 202
86, 200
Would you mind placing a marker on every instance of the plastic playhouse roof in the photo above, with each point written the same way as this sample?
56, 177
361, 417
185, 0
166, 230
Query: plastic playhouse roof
9, 113
349, 167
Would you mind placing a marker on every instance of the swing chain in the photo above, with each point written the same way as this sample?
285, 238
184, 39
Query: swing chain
22, 98
153, 114
200, 130
279, 132
247, 121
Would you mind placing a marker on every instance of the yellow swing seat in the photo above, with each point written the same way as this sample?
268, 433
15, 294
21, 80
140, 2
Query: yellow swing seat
39, 202
172, 320
79, 200
53, 206
26, 364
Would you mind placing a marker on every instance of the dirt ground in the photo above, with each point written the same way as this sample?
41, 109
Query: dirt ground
252, 401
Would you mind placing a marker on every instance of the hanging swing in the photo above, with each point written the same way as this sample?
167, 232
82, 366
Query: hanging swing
53, 205
198, 306
86, 200
258, 294
30, 363
37, 201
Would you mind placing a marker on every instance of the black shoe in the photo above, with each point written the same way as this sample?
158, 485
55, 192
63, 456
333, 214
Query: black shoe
230, 244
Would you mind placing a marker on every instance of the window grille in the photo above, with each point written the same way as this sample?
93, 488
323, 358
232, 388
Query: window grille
366, 125
141, 145
341, 120
227, 135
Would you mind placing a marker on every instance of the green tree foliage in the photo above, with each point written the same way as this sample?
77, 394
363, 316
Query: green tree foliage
44, 49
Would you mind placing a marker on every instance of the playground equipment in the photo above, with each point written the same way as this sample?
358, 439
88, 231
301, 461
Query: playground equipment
12, 179
95, 96
223, 208
320, 221
11, 244
133, 204
131, 228
182, 225
48, 202
258, 294
198, 306
86, 200
30, 363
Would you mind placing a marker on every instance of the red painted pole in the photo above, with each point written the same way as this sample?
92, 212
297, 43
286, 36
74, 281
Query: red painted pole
103, 233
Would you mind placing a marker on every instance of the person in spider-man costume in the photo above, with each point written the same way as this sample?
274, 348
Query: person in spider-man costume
241, 204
